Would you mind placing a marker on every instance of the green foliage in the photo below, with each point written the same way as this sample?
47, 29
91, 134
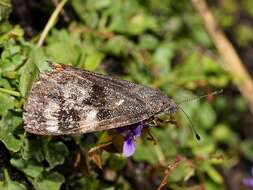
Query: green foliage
8, 124
55, 154
50, 181
242, 30
161, 44
30, 167
8, 184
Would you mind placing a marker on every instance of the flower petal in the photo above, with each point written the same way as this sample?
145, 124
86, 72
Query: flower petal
137, 130
128, 147
248, 182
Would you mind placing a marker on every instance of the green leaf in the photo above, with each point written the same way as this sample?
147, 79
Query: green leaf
32, 149
30, 167
98, 4
5, 83
86, 11
7, 102
145, 152
119, 24
141, 22
56, 153
7, 126
189, 71
205, 148
213, 174
11, 58
148, 42
93, 61
48, 181
5, 9
247, 6
12, 64
162, 58
116, 162
29, 72
88, 182
247, 148
244, 35
28, 75
63, 48
163, 136
109, 188
38, 57
207, 115
179, 172
8, 184
117, 45
210, 185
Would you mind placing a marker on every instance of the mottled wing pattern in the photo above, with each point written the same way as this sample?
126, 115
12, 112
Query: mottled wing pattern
69, 100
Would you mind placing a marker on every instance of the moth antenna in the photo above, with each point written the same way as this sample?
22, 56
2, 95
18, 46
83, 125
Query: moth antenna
214, 93
188, 117
194, 132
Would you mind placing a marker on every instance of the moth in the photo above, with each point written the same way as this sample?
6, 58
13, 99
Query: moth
67, 100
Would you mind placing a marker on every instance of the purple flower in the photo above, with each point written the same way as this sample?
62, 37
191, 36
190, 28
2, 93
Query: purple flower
129, 141
249, 181
128, 146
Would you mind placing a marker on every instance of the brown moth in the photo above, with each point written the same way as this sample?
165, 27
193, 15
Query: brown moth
66, 100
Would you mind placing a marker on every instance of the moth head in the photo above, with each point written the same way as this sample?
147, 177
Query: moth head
173, 108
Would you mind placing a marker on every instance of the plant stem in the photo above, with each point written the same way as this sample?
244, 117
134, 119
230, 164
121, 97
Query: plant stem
231, 60
10, 92
51, 22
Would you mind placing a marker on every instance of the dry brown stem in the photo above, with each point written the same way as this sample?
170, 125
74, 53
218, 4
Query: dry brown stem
231, 61
167, 172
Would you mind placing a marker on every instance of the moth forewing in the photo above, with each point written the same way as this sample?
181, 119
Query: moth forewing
67, 100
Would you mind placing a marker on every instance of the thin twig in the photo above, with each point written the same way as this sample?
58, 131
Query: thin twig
63, 12
231, 61
167, 172
51, 22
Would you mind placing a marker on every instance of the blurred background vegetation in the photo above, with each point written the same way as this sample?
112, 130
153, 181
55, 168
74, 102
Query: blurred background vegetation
158, 43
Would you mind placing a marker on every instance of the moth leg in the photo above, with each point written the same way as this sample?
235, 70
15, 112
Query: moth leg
165, 120
151, 122
150, 136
